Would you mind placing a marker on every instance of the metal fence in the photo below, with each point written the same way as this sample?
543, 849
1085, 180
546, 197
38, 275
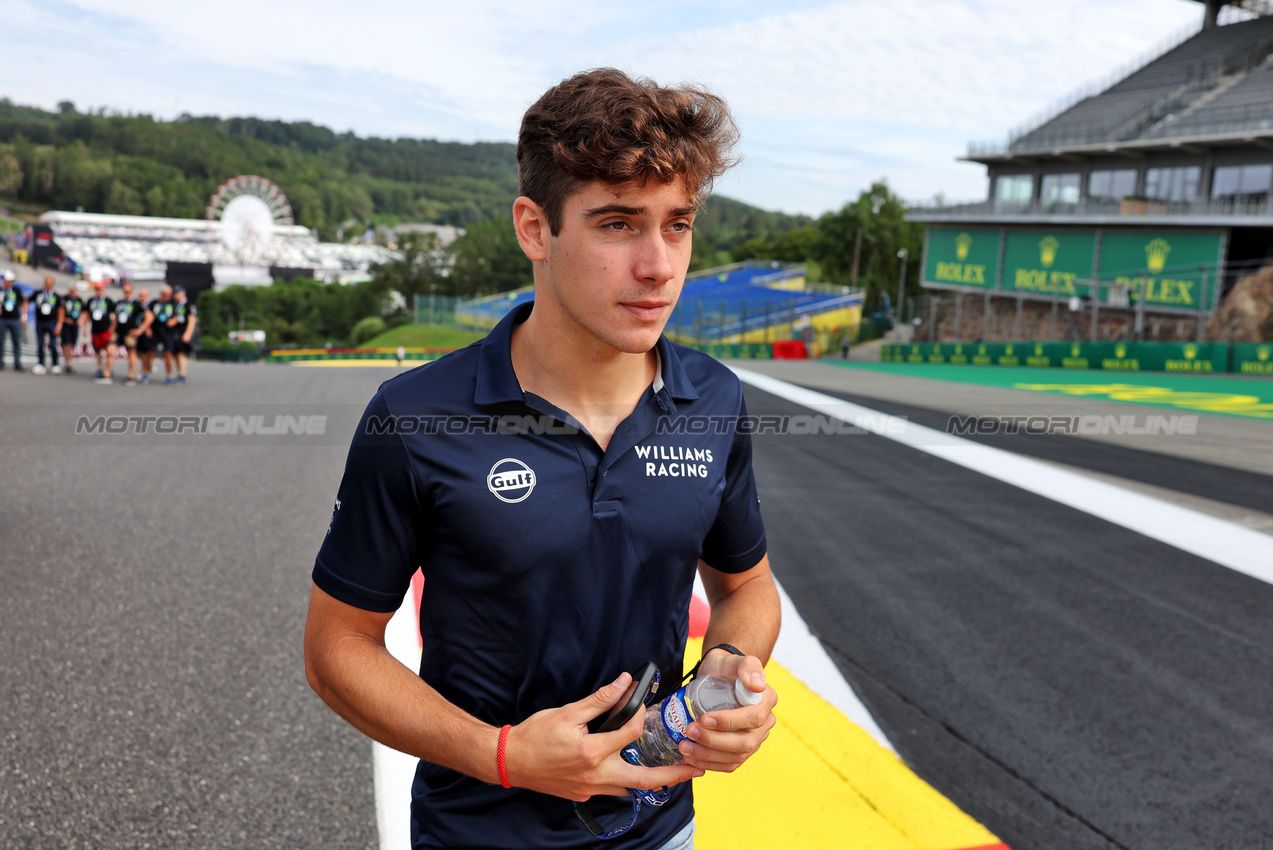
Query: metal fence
435, 310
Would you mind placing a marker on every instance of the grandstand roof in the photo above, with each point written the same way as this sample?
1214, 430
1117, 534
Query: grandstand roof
1212, 89
140, 247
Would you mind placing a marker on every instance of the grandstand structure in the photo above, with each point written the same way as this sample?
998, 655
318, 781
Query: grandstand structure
1149, 196
198, 253
756, 301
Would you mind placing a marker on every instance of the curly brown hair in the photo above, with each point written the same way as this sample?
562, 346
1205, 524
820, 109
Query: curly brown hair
604, 125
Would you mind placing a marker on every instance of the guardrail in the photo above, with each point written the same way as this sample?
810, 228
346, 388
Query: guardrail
287, 355
1203, 357
793, 349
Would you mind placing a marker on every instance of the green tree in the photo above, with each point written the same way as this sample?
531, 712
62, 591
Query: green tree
156, 201
879, 215
10, 175
301, 310
123, 200
487, 259
420, 269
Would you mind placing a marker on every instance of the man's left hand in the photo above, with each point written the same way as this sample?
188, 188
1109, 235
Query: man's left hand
723, 740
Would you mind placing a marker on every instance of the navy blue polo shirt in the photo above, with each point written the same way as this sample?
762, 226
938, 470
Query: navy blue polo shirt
550, 566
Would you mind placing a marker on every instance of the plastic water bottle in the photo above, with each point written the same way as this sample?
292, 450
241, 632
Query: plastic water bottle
668, 723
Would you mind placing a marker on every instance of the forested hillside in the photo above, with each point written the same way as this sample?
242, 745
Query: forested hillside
134, 164
336, 182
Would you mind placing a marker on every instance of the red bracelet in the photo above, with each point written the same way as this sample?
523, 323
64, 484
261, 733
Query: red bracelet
500, 763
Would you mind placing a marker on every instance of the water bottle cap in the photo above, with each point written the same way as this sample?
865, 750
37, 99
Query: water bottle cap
745, 695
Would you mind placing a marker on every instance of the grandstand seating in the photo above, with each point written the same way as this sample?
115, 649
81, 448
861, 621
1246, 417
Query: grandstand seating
1143, 104
1248, 104
714, 305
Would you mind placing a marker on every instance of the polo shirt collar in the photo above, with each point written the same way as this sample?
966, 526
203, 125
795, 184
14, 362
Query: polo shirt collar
497, 382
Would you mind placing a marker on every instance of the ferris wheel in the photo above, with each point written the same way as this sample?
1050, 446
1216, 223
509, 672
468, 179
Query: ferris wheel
249, 208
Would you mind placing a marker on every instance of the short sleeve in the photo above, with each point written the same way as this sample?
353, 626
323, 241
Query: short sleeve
736, 542
370, 552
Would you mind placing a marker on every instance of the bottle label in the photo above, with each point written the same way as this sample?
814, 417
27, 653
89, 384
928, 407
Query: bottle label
676, 716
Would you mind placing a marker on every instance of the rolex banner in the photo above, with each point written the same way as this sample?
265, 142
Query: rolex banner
1161, 356
967, 256
1174, 270
1112, 356
1253, 358
1170, 267
1056, 263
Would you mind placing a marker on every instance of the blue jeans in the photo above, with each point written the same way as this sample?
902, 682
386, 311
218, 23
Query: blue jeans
11, 328
43, 330
683, 840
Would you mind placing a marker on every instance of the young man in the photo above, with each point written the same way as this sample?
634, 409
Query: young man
131, 321
48, 307
101, 325
70, 317
184, 319
13, 315
560, 527
164, 311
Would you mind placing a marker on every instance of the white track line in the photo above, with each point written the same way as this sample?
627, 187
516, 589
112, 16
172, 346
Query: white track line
1225, 543
395, 771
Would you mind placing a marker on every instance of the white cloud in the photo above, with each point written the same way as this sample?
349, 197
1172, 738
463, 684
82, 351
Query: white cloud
830, 95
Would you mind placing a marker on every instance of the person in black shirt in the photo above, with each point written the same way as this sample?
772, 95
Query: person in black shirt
101, 319
163, 310
132, 319
13, 315
146, 337
70, 316
185, 318
48, 306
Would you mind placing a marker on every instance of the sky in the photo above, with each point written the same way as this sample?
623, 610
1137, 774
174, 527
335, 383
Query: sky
830, 95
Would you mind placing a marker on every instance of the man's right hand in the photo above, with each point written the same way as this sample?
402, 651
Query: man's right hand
552, 751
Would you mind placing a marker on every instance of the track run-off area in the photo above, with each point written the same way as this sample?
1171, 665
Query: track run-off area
1046, 636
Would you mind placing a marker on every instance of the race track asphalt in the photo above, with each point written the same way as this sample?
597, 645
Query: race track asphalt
1067, 682
152, 598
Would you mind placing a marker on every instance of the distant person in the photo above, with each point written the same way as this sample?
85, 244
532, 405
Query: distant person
185, 317
101, 324
164, 311
48, 306
402, 354
131, 319
146, 336
70, 319
13, 315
